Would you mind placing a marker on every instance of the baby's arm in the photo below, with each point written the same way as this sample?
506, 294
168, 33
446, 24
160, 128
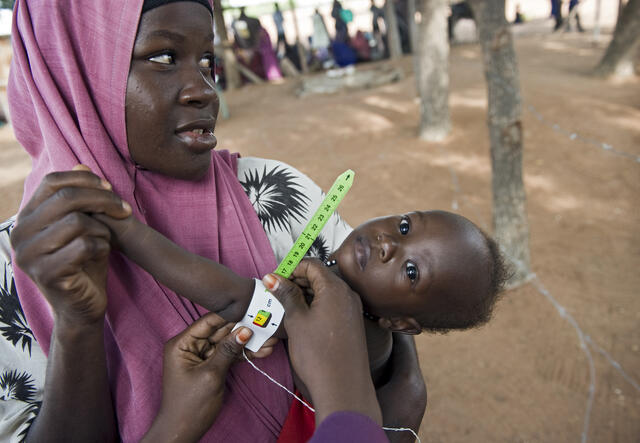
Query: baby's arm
203, 281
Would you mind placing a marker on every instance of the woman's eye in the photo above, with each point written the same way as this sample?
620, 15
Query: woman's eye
412, 271
206, 62
165, 59
405, 226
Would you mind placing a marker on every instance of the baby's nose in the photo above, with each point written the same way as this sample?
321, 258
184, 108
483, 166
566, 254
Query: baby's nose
387, 245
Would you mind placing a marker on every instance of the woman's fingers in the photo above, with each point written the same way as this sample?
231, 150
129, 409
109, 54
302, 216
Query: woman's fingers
55, 181
78, 252
63, 231
58, 235
201, 329
228, 351
63, 202
287, 293
221, 333
81, 167
90, 200
319, 280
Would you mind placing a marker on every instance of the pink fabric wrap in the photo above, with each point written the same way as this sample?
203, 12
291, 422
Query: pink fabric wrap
67, 92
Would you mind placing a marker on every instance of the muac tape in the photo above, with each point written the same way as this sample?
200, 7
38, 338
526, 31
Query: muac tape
265, 312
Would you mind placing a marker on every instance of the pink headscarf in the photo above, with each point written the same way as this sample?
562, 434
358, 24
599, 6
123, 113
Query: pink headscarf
67, 92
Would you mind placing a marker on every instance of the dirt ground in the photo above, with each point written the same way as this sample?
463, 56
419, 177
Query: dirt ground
525, 376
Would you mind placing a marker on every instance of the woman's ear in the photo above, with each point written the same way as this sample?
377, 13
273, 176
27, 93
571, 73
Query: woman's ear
405, 325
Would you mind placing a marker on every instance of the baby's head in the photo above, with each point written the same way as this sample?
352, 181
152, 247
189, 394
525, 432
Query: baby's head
431, 270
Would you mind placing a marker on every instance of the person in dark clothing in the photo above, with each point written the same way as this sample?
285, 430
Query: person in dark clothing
519, 17
556, 13
576, 15
279, 22
342, 33
378, 14
246, 30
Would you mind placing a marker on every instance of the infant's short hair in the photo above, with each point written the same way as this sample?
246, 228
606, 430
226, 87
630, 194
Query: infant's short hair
457, 313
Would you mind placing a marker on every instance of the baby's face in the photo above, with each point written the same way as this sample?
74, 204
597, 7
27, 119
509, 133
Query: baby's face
398, 264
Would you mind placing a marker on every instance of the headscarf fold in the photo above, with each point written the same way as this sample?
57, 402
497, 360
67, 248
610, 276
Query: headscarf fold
67, 90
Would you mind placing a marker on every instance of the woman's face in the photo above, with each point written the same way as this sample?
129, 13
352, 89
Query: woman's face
171, 105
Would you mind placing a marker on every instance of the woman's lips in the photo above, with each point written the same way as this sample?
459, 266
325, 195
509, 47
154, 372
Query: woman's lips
198, 141
362, 251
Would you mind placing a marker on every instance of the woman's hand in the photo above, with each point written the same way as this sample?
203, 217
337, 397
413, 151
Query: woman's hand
195, 367
62, 248
326, 343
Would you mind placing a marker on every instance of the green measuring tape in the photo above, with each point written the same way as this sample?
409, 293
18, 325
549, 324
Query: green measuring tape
327, 207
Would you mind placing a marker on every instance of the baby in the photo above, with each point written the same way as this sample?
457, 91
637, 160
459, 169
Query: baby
430, 270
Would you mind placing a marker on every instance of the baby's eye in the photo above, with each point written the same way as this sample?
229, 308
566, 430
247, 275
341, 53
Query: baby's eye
405, 226
206, 62
165, 59
412, 271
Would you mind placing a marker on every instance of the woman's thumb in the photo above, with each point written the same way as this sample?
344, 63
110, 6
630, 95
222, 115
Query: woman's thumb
229, 349
287, 293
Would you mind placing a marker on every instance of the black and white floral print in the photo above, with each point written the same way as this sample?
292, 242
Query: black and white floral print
20, 391
276, 197
16, 385
285, 199
319, 249
13, 324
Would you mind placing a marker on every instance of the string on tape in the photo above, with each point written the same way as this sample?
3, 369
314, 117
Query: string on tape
306, 405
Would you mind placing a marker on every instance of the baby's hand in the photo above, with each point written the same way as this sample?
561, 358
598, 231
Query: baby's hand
122, 231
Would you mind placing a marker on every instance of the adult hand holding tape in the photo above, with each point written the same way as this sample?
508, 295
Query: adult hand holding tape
264, 313
327, 346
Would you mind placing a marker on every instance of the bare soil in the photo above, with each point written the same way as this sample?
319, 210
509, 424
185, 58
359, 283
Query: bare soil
525, 376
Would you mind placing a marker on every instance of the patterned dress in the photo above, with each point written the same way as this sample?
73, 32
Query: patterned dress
284, 199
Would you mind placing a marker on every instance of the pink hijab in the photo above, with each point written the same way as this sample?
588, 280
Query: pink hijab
67, 92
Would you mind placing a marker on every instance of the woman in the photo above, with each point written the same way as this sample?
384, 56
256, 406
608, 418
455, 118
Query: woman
125, 88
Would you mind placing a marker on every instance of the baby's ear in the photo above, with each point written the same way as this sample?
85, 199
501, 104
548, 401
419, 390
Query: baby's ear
406, 325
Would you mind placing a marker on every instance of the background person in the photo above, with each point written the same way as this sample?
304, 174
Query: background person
278, 20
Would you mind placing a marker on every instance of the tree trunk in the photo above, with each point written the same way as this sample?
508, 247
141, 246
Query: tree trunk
301, 54
411, 22
621, 5
618, 59
505, 132
432, 70
228, 58
393, 35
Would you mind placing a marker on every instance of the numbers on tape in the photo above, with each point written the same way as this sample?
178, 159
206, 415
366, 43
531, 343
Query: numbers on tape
339, 189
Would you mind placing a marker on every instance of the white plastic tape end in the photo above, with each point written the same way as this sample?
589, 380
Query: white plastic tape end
263, 316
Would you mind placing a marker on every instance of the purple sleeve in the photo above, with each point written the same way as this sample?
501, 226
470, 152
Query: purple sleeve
348, 427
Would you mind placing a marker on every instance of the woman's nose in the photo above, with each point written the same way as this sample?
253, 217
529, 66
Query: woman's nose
198, 90
388, 246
